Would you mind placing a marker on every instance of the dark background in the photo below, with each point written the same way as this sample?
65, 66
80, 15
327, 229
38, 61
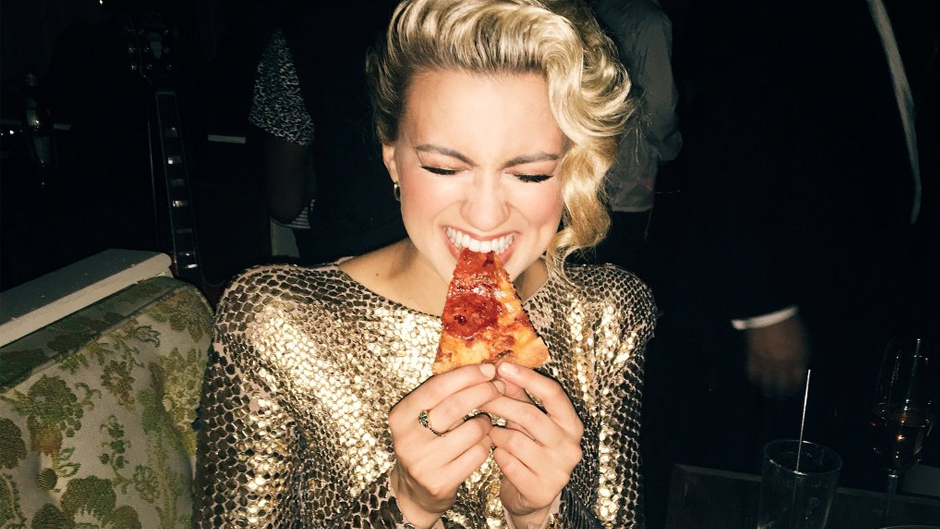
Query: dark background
101, 193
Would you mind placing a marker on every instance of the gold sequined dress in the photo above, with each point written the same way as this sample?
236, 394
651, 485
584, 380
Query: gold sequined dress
308, 363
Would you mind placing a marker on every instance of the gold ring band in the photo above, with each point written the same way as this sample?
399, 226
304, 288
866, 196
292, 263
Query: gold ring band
423, 421
535, 400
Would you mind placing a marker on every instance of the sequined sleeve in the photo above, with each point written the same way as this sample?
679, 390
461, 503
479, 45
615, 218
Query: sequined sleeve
610, 321
620, 462
248, 453
253, 465
248, 459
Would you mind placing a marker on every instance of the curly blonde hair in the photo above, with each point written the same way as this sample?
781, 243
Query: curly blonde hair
559, 39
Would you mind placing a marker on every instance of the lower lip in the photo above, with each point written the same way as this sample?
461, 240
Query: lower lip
455, 251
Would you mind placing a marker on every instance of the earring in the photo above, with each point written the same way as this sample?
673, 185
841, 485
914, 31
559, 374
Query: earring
396, 191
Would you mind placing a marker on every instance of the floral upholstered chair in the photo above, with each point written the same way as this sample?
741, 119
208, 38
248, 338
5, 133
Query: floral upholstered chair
97, 413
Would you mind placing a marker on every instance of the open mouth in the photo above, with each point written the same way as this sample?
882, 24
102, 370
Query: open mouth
462, 240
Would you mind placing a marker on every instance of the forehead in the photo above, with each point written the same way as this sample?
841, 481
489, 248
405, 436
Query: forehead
460, 107
443, 87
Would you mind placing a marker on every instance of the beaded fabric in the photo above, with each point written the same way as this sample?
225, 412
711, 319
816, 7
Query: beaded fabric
308, 362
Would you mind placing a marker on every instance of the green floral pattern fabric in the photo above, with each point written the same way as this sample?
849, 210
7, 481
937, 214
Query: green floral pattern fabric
97, 413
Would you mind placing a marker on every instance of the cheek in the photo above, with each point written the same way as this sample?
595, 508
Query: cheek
546, 207
420, 199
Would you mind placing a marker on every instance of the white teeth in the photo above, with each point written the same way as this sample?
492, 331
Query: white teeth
462, 240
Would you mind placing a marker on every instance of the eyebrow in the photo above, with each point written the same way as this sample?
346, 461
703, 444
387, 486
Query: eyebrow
428, 147
518, 160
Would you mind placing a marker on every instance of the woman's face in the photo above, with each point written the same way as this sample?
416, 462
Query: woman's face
477, 160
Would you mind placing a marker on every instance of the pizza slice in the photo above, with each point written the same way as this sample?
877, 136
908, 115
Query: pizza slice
483, 319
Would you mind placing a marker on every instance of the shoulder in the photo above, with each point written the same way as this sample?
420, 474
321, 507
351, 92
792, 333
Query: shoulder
607, 282
280, 275
602, 315
262, 290
611, 290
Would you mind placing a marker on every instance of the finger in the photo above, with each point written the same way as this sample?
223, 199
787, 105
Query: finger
476, 452
434, 390
522, 394
439, 387
536, 489
555, 462
455, 409
442, 481
426, 457
536, 486
513, 469
528, 419
468, 462
545, 390
507, 457
521, 446
537, 402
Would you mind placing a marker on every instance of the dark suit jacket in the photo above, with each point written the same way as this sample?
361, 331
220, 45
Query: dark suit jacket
798, 184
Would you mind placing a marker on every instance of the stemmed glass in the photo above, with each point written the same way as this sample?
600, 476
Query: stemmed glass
902, 414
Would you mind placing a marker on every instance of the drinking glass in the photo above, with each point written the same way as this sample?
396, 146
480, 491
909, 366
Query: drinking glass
902, 412
797, 485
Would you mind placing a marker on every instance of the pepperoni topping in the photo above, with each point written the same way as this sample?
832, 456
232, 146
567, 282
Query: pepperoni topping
470, 312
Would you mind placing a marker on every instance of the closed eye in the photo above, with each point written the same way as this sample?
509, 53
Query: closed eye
533, 178
439, 170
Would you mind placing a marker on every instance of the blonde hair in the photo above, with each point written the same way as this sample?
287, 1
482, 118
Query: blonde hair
560, 39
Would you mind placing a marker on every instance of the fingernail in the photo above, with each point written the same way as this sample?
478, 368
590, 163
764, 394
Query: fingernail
508, 369
500, 386
488, 370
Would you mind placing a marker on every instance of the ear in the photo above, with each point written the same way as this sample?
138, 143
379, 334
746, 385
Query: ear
388, 156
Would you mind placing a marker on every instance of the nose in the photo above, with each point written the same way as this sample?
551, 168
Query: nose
486, 206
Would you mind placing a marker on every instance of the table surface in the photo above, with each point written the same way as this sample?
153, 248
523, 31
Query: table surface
702, 498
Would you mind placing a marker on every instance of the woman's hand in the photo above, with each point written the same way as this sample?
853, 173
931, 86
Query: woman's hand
430, 467
540, 445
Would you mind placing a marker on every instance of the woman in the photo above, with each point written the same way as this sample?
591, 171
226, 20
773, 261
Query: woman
498, 120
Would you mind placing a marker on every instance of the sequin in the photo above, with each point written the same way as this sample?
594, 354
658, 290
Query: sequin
309, 363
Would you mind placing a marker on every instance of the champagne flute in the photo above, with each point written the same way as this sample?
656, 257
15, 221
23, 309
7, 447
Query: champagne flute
902, 414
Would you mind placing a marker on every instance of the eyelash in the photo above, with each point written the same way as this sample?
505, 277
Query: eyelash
439, 171
528, 178
533, 178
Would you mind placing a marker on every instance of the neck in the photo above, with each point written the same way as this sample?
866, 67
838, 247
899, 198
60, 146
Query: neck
413, 281
532, 279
